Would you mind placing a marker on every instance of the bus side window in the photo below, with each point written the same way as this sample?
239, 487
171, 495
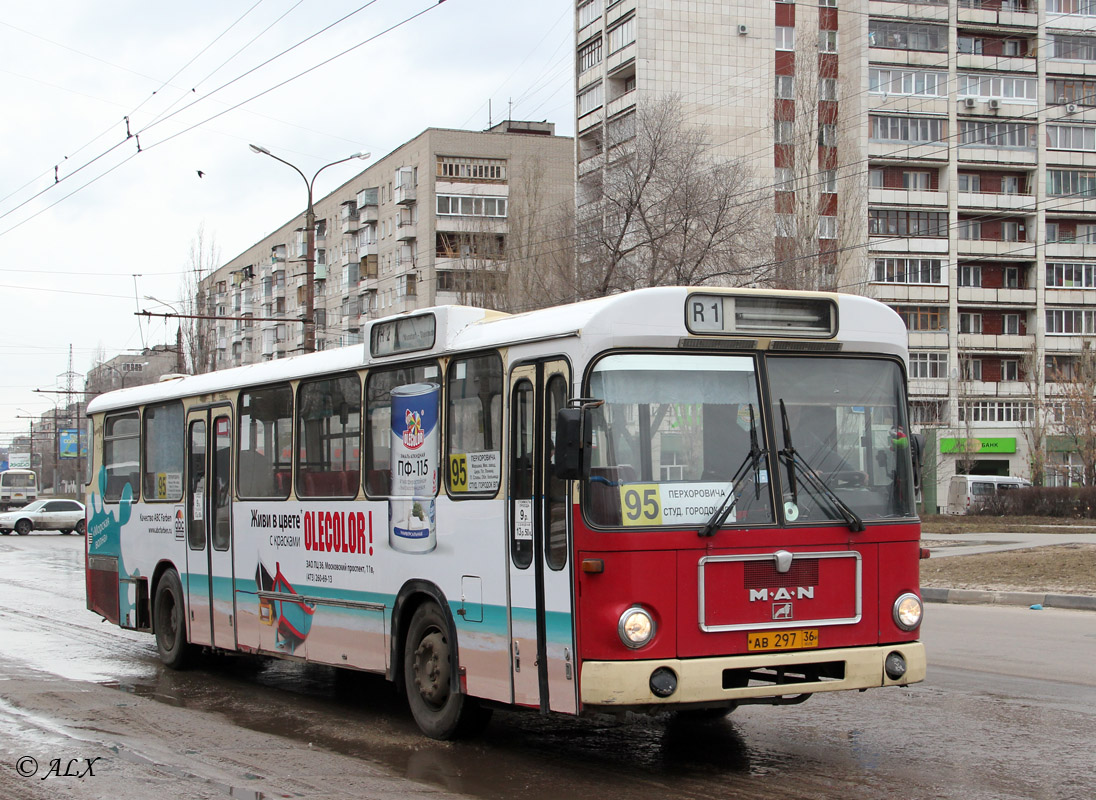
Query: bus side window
263, 465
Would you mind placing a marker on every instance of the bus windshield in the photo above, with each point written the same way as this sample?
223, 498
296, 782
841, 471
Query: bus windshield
669, 438
18, 480
845, 420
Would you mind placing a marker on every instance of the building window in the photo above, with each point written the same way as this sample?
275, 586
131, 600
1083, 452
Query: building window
928, 412
1010, 184
1072, 48
827, 134
471, 206
1071, 276
909, 270
970, 45
908, 129
971, 367
1071, 90
785, 226
785, 38
588, 12
1073, 182
785, 87
928, 365
1002, 87
969, 229
1010, 325
827, 41
921, 181
903, 222
990, 411
827, 87
975, 133
907, 81
1071, 137
1012, 278
1070, 322
1010, 231
970, 322
827, 180
970, 183
827, 227
590, 99
589, 54
875, 178
784, 132
471, 169
622, 35
970, 275
892, 35
924, 318
785, 179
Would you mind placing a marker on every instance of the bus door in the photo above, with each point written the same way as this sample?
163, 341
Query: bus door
209, 580
542, 649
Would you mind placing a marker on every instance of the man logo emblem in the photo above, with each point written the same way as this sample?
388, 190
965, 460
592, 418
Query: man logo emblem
782, 611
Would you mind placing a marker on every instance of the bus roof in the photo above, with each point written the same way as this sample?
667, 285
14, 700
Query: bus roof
652, 317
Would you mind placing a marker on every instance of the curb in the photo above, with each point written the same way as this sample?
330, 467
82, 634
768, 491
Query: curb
983, 597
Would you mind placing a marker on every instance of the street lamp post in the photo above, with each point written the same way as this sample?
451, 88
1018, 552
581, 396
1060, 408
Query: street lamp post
310, 246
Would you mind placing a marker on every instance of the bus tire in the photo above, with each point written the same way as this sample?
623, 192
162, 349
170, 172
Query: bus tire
440, 711
169, 615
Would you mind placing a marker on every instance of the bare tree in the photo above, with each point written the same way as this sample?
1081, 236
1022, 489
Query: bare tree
664, 210
817, 195
199, 336
1078, 387
540, 243
1037, 425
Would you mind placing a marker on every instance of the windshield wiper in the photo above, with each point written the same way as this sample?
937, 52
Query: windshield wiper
752, 458
792, 460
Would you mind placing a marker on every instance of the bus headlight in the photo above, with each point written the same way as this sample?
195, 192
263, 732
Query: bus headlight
907, 611
636, 627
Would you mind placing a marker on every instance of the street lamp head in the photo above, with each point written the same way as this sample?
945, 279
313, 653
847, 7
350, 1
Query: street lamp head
361, 156
257, 149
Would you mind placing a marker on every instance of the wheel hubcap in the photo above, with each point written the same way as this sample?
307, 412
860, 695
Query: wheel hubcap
431, 667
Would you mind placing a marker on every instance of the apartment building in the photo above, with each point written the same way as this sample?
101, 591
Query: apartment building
952, 175
425, 225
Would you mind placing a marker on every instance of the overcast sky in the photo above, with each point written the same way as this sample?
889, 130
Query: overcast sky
93, 222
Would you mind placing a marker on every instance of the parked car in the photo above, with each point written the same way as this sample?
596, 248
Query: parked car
66, 516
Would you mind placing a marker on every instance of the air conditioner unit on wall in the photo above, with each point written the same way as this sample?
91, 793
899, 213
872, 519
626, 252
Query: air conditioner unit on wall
1071, 108
969, 102
994, 104
743, 30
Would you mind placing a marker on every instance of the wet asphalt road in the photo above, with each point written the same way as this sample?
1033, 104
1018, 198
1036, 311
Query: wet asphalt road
1008, 711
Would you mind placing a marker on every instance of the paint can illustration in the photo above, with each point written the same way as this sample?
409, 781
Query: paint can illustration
415, 456
413, 528
415, 440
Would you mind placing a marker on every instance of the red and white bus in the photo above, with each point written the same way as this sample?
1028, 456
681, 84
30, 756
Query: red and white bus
683, 499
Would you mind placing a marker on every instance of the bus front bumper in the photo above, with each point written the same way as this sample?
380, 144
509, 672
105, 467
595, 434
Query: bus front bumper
729, 678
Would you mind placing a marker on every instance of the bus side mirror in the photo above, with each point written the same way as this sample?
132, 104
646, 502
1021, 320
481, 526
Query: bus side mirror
917, 454
573, 439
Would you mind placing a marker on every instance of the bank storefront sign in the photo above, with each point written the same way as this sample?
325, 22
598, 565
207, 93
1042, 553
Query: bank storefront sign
1002, 445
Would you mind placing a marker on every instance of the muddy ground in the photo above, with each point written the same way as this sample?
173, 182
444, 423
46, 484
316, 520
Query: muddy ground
1065, 569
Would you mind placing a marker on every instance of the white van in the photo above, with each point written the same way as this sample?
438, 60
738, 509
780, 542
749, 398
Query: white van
18, 487
968, 492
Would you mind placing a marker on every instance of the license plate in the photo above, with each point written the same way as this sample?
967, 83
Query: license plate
783, 640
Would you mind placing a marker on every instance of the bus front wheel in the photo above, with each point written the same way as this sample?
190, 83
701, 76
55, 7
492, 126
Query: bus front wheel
439, 709
169, 611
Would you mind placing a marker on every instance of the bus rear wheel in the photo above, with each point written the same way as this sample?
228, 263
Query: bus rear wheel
169, 615
439, 709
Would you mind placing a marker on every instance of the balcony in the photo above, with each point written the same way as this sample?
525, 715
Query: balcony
910, 293
997, 201
927, 11
406, 195
997, 155
907, 153
998, 64
1070, 297
1070, 250
405, 231
1071, 204
929, 387
907, 197
1024, 298
906, 244
995, 248
928, 340
992, 342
